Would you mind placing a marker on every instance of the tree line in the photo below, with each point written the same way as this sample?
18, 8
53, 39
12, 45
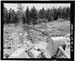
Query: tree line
34, 16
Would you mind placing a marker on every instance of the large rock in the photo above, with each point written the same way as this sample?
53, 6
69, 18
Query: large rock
34, 53
54, 43
50, 47
20, 53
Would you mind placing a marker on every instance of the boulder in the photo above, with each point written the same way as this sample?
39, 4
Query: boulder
33, 53
50, 47
20, 53
54, 43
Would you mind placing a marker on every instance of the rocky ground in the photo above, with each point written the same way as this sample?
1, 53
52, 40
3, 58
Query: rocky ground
25, 41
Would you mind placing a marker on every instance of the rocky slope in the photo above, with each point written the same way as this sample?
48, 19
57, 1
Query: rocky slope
35, 41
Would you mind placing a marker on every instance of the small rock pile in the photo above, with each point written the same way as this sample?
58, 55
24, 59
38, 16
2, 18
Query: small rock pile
20, 40
34, 51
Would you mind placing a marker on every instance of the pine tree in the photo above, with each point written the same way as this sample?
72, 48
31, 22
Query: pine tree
27, 13
50, 14
12, 15
5, 15
42, 13
33, 15
55, 14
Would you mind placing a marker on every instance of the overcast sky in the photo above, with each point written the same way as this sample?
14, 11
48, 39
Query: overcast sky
38, 6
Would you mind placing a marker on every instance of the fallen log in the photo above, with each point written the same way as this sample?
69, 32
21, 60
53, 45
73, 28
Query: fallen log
31, 27
64, 52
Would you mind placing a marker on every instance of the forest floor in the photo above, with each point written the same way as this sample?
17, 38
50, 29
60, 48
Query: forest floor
30, 38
